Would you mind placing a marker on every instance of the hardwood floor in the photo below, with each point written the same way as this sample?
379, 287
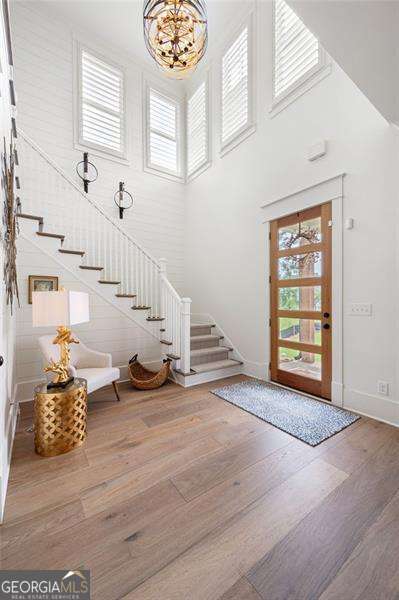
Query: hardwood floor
181, 496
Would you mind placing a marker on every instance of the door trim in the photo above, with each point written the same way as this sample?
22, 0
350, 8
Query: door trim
329, 190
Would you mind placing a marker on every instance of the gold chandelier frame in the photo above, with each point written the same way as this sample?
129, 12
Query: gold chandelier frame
176, 34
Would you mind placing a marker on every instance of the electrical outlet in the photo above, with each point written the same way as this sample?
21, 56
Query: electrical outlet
360, 309
383, 388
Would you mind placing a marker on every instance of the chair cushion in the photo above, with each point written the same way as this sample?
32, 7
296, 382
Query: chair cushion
98, 377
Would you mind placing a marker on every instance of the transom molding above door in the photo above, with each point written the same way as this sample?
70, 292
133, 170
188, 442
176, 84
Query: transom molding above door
312, 195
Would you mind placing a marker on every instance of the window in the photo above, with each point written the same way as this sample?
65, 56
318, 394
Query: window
163, 133
236, 89
101, 105
297, 53
197, 130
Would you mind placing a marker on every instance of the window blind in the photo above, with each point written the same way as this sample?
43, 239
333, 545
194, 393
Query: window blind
235, 96
163, 132
296, 50
197, 129
101, 103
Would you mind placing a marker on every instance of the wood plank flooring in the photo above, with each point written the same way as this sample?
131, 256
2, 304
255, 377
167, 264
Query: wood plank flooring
181, 496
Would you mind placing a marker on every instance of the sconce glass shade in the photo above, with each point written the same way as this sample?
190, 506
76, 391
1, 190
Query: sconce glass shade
176, 34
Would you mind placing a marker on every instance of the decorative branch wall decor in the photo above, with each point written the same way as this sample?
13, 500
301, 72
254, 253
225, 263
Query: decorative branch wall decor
86, 171
123, 199
10, 223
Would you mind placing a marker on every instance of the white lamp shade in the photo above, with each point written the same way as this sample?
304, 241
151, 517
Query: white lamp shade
52, 309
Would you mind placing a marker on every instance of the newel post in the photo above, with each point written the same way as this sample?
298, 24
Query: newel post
185, 335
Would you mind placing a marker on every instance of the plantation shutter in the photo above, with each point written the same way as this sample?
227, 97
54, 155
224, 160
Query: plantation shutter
296, 50
235, 97
101, 104
197, 129
163, 129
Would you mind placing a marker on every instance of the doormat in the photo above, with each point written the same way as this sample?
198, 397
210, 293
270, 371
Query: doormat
311, 421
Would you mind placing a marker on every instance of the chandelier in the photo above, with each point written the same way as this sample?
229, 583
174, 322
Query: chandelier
175, 33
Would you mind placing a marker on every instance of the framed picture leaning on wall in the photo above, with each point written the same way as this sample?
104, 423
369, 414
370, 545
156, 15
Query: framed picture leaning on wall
42, 283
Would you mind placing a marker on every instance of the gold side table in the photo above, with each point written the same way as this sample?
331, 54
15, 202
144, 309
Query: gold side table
60, 418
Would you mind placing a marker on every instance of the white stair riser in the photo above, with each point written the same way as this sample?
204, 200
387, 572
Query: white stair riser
49, 244
28, 226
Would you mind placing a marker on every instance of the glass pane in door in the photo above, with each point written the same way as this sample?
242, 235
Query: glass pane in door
300, 298
298, 266
296, 362
306, 331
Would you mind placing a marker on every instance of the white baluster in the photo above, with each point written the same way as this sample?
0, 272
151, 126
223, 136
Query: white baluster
185, 335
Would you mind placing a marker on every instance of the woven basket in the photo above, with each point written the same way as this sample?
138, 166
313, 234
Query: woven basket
144, 379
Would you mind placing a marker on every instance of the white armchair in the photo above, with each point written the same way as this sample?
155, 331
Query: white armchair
95, 367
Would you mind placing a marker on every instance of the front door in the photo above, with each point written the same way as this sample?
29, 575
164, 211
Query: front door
300, 301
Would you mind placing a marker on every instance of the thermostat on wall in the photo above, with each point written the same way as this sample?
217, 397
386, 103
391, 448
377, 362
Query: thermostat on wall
317, 150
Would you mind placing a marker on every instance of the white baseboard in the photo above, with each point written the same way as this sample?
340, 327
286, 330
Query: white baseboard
376, 407
25, 389
12, 425
256, 370
337, 393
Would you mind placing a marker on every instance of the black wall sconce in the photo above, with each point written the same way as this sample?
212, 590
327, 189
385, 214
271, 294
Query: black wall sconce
86, 171
123, 199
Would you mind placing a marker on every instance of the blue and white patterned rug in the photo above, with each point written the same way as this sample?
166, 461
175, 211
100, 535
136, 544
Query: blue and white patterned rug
309, 420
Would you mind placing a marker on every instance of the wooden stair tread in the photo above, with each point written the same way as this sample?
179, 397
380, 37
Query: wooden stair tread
166, 342
211, 350
215, 365
201, 325
206, 338
125, 295
59, 236
141, 307
162, 330
31, 217
66, 251
108, 282
155, 318
173, 356
88, 268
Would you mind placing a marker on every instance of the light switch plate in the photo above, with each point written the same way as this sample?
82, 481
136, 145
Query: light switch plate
360, 309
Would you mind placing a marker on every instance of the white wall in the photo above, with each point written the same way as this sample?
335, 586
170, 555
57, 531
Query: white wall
343, 26
226, 243
43, 49
107, 331
8, 410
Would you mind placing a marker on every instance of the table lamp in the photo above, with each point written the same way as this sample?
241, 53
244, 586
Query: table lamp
60, 309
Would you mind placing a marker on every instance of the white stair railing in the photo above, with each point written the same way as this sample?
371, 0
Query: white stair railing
50, 193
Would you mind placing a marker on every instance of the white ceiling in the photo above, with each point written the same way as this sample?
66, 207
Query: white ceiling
120, 22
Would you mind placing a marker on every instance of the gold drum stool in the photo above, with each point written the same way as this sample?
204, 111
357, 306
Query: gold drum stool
60, 418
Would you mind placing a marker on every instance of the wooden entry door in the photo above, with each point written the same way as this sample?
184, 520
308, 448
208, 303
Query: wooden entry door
300, 302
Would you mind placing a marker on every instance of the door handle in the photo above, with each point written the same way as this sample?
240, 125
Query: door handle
326, 315
1, 361
326, 326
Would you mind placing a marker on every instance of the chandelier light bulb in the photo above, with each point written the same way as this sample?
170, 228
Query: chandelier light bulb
176, 34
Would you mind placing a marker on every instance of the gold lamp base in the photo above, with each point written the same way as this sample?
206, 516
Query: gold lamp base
61, 368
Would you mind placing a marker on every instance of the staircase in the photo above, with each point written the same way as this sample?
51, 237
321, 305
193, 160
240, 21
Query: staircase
209, 357
75, 232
